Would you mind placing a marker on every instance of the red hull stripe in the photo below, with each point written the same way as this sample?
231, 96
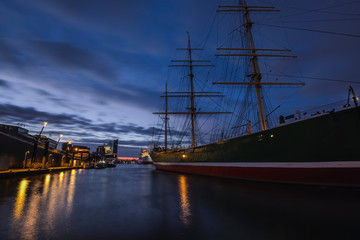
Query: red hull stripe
324, 173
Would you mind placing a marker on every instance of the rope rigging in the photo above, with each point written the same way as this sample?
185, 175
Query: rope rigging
311, 30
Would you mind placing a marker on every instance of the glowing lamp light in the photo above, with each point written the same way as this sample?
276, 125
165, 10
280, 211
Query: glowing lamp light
184, 156
42, 129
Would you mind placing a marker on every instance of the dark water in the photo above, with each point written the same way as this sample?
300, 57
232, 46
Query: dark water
138, 202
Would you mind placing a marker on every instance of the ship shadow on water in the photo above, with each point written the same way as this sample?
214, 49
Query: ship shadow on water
217, 208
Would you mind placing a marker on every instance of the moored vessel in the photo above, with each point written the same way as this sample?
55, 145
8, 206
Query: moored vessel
308, 148
100, 165
145, 158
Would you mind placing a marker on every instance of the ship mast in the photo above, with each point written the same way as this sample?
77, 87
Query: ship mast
256, 73
256, 76
192, 102
166, 116
191, 63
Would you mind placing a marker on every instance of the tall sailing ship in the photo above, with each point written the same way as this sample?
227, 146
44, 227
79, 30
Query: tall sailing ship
320, 148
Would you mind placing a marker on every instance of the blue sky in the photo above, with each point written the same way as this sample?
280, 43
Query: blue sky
95, 69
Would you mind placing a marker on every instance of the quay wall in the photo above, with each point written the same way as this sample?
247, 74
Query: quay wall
18, 153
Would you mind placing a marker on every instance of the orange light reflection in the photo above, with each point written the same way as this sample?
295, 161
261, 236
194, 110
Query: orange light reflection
46, 184
31, 218
20, 199
71, 190
61, 176
185, 205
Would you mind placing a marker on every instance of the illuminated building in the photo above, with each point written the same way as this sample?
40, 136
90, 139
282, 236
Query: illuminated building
108, 150
81, 153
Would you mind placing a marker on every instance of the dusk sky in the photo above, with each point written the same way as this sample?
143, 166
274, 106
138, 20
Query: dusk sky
95, 69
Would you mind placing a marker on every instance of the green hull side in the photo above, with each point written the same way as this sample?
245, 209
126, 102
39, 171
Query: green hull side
329, 137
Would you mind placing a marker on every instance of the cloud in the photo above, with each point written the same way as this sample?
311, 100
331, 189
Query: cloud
100, 17
43, 92
69, 56
31, 115
75, 126
73, 69
4, 84
144, 97
10, 54
35, 57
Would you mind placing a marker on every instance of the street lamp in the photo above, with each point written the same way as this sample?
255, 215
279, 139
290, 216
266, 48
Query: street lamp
33, 155
58, 140
45, 123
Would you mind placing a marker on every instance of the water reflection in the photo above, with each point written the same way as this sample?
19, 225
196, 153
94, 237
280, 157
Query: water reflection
135, 202
50, 202
184, 197
42, 199
46, 184
31, 218
61, 176
71, 191
20, 199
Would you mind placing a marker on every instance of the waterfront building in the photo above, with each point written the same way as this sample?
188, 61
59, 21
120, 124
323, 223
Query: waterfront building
80, 154
108, 150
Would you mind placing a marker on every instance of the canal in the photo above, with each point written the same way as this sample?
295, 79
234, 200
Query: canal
137, 202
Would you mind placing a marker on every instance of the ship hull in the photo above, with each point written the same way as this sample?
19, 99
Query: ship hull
326, 144
145, 162
325, 173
